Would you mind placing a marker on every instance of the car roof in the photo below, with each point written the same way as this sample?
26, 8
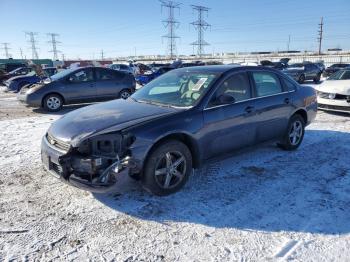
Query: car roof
221, 69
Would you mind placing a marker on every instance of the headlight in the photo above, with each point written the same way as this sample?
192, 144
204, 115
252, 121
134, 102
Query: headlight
108, 145
331, 96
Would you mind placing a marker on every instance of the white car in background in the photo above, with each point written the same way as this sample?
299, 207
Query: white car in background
334, 93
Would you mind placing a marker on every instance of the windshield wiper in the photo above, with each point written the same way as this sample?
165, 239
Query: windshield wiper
154, 103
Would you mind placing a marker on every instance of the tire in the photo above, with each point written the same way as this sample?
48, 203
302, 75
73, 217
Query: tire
317, 78
125, 93
167, 168
289, 142
301, 79
53, 103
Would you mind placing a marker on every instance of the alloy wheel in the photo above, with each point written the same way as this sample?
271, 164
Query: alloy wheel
170, 170
125, 94
53, 103
295, 133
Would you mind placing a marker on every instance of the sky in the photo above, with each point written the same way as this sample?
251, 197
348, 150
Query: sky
123, 28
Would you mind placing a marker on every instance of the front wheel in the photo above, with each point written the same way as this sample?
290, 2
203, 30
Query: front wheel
167, 168
53, 103
294, 134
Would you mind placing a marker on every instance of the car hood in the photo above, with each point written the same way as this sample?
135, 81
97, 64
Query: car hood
341, 87
104, 118
20, 78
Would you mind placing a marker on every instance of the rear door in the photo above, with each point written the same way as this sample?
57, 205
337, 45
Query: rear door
109, 83
233, 125
80, 86
273, 104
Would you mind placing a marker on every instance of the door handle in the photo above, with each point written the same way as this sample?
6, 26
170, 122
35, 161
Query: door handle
287, 101
249, 109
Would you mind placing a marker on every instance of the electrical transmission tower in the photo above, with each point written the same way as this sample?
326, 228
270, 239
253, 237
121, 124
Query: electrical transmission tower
171, 23
200, 25
54, 43
33, 44
320, 36
6, 49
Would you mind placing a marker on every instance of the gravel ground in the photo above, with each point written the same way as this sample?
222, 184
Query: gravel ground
262, 204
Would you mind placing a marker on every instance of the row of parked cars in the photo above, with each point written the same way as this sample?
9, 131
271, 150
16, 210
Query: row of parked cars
51, 90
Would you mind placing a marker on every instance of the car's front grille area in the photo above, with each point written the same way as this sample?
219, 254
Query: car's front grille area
337, 108
64, 146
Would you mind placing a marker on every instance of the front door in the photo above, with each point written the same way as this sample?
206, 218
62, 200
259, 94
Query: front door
80, 86
229, 126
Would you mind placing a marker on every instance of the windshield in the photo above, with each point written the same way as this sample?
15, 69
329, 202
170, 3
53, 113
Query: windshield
179, 89
340, 75
62, 74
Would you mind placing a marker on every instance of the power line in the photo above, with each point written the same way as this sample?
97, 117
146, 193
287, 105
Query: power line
33, 44
6, 48
320, 36
54, 43
171, 23
200, 25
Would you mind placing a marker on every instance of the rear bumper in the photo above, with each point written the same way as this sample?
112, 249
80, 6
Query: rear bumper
57, 163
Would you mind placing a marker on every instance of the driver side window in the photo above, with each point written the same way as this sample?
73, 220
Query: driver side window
236, 86
84, 75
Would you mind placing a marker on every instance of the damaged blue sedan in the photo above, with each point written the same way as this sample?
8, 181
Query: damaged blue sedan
175, 124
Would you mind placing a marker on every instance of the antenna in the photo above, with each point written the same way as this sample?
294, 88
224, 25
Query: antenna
171, 23
33, 44
54, 43
6, 49
200, 25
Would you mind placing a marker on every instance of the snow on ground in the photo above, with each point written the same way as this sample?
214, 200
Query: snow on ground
262, 204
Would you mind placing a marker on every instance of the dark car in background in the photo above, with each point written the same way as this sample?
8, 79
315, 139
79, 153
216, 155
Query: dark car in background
8, 67
176, 123
17, 72
16, 83
301, 72
148, 76
79, 85
334, 68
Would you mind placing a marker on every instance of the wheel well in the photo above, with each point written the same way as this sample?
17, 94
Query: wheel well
53, 93
302, 113
187, 140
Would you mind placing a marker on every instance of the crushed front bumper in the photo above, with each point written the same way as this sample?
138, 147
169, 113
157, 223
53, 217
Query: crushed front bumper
58, 163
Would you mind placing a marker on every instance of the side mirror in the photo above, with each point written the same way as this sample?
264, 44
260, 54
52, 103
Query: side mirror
225, 99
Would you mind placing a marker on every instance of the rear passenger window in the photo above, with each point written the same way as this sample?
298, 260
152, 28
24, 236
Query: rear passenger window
288, 84
105, 74
266, 84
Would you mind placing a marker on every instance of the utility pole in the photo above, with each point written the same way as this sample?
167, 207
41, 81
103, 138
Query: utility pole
171, 23
6, 49
21, 52
33, 44
63, 57
288, 43
320, 36
200, 25
54, 43
102, 55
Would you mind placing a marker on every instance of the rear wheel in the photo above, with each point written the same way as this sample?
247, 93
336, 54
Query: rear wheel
125, 93
294, 134
53, 102
168, 168
301, 79
317, 78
